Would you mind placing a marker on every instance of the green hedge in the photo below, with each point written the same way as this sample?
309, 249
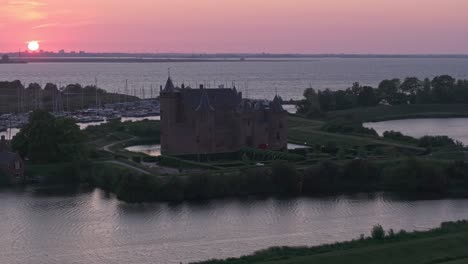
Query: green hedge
171, 161
266, 155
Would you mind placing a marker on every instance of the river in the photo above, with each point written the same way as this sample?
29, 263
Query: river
55, 226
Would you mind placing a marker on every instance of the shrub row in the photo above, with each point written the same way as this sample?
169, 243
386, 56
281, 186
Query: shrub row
266, 155
282, 178
175, 162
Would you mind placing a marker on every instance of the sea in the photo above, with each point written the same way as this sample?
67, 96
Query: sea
54, 225
256, 79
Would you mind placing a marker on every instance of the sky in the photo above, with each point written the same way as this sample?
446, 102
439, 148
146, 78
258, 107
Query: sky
238, 26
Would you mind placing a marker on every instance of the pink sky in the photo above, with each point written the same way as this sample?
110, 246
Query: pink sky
275, 26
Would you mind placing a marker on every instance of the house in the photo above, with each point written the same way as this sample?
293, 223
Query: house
11, 163
218, 120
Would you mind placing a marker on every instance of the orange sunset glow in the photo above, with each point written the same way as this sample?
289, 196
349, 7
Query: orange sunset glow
302, 26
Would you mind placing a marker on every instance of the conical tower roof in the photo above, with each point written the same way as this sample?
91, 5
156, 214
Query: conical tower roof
169, 87
276, 105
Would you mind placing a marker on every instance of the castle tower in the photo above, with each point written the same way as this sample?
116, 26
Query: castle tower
169, 100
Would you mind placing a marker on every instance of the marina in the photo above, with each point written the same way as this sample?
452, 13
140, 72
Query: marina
10, 124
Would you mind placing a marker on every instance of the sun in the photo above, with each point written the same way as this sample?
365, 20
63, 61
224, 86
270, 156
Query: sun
33, 45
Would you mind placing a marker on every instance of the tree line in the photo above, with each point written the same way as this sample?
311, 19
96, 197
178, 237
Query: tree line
409, 176
442, 89
18, 98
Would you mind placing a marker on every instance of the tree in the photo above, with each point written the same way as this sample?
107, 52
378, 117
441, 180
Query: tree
411, 85
287, 178
367, 97
390, 91
378, 232
310, 105
442, 88
356, 89
415, 175
327, 100
423, 96
46, 139
344, 99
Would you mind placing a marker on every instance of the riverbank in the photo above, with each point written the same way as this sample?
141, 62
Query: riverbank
446, 244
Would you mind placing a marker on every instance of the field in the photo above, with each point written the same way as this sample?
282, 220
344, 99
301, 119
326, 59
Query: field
307, 132
382, 113
441, 246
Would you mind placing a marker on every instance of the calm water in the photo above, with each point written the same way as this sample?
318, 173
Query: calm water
456, 128
150, 150
155, 150
91, 227
288, 78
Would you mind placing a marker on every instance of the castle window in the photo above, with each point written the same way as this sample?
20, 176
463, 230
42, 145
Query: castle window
198, 139
278, 136
280, 125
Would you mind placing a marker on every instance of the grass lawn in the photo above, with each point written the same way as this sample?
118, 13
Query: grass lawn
448, 247
420, 251
381, 113
306, 131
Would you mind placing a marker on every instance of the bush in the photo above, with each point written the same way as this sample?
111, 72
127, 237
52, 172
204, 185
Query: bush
378, 232
137, 188
175, 162
360, 173
287, 178
267, 155
322, 178
415, 175
438, 142
172, 190
398, 136
347, 125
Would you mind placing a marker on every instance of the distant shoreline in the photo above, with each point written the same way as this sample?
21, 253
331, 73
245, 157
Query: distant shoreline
145, 60
174, 58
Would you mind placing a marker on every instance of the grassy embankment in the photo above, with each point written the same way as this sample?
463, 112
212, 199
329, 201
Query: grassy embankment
383, 113
444, 245
308, 132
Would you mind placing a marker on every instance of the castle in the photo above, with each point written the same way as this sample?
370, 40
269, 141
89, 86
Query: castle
218, 120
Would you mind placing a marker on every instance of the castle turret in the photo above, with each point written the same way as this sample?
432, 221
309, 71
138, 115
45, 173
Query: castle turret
169, 87
277, 104
169, 101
